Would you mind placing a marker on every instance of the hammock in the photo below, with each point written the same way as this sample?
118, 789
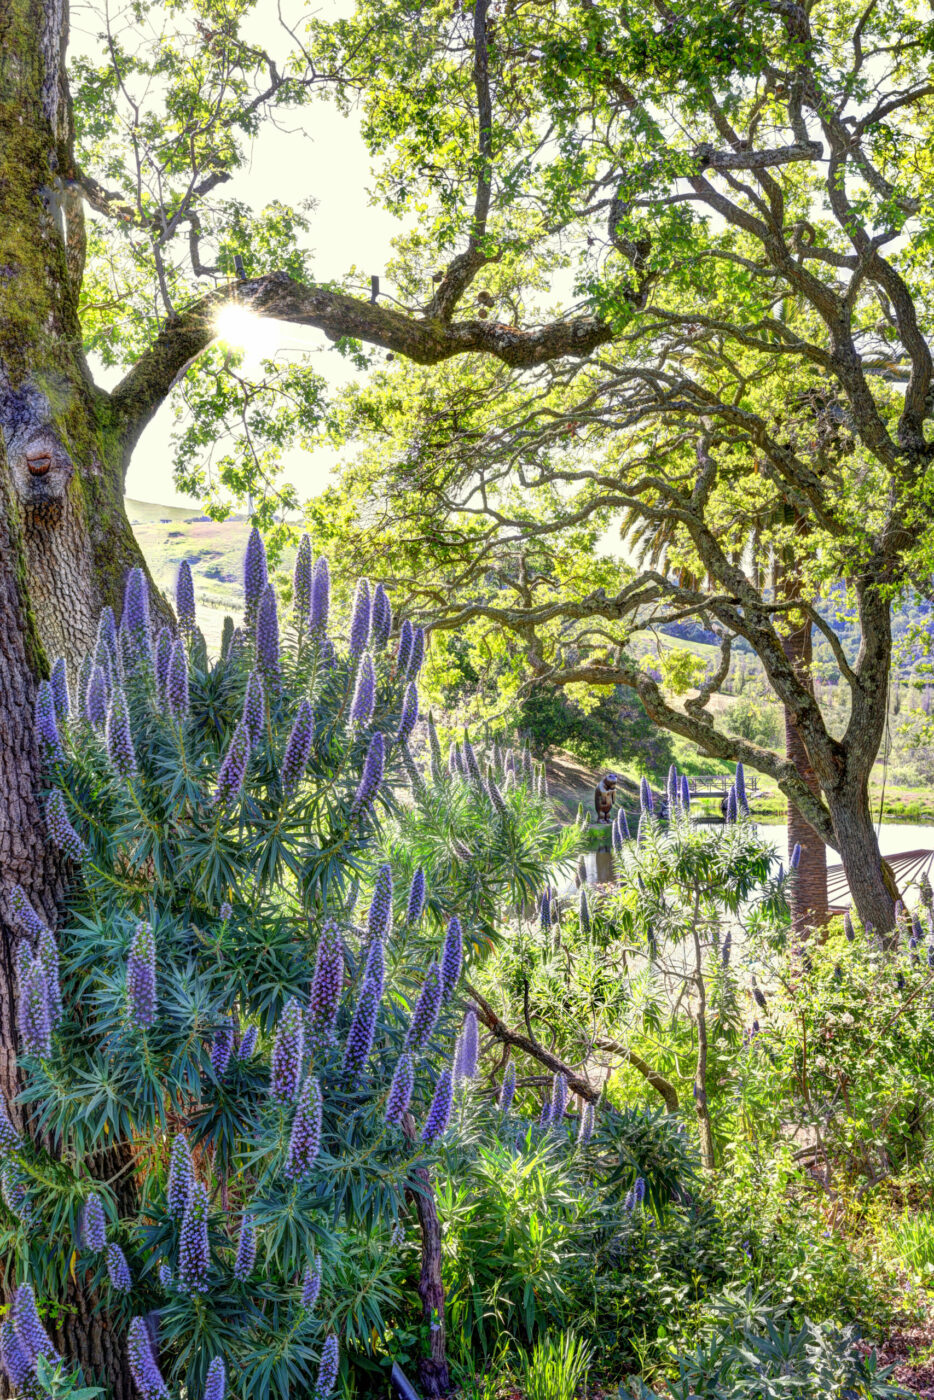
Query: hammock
907, 868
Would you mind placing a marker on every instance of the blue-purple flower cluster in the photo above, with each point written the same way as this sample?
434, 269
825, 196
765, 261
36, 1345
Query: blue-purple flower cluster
181, 1177
324, 997
118, 1269
246, 1249
508, 1088
360, 619
400, 1089
120, 750
222, 1047
215, 1382
372, 776
452, 957
47, 725
327, 1369
382, 618
194, 1254
298, 748
176, 682
268, 661
255, 576
305, 1137
288, 1052
60, 828
311, 1284
439, 1114
94, 1224
233, 768
301, 579
362, 1028
185, 599
427, 1009
141, 978
143, 1366
364, 697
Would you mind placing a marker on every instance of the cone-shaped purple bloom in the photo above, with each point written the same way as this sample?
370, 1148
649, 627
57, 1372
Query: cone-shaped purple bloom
375, 970
15, 1194
97, 699
439, 1115
795, 856
35, 1017
287, 1053
255, 576
141, 978
544, 909
470, 762
30, 1333
585, 1131
848, 927
23, 913
624, 826
58, 682
46, 726
364, 696
185, 599
727, 949
452, 957
400, 1090
584, 911
164, 645
508, 1091
311, 1284
742, 803
94, 1224
181, 1177
15, 1362
404, 649
496, 797
222, 1047
559, 1099
267, 639
176, 682
254, 707
143, 1367
298, 748
372, 775
416, 904
418, 653
135, 619
760, 998
469, 1047
673, 787
194, 1255
246, 1249
10, 1140
324, 997
47, 952
685, 795
362, 1028
409, 716
248, 1043
328, 1367
427, 1008
731, 805
301, 580
107, 637
305, 1138
320, 597
360, 619
379, 919
233, 768
645, 798
382, 618
119, 737
166, 1277
118, 1269
455, 762
216, 1380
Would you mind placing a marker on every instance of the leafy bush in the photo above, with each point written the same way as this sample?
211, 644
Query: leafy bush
754, 720
555, 1368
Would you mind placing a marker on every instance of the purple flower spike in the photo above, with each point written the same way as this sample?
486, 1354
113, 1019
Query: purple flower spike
544, 1118
35, 1017
727, 949
46, 727
439, 1115
471, 765
119, 737
248, 1043
255, 576
404, 650
267, 639
185, 599
287, 1053
360, 619
364, 697
848, 927
254, 707
15, 1194
311, 1284
136, 610
107, 636
645, 798
222, 1047
298, 748
585, 1131
544, 910
30, 1333
327, 1369
305, 1138
320, 597
118, 1269
400, 1090
14, 1360
94, 1224
379, 919
416, 903
583, 912
427, 1009
372, 776
672, 789
246, 1249
10, 1140
731, 809
508, 1091
166, 1277
452, 957
194, 1255
176, 682
164, 644
58, 682
469, 1046
181, 1177
143, 1367
375, 971
301, 580
23, 913
382, 618
559, 1099
685, 795
617, 836
742, 803
97, 699
362, 1029
409, 716
418, 653
795, 856
233, 769
639, 1189
141, 978
624, 826
324, 997
47, 952
216, 1380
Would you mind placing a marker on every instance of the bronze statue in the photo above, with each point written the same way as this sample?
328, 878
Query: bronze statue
603, 796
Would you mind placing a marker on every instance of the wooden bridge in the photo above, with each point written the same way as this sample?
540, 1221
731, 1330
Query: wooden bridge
718, 784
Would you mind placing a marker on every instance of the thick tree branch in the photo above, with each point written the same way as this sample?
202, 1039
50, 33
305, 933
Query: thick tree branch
530, 1047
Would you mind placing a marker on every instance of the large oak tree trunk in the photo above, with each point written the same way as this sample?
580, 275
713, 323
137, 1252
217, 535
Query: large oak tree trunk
809, 907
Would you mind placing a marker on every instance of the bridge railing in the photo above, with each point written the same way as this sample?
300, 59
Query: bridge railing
719, 782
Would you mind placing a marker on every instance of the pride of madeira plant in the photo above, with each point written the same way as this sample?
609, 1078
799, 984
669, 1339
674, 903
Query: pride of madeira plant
230, 1077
